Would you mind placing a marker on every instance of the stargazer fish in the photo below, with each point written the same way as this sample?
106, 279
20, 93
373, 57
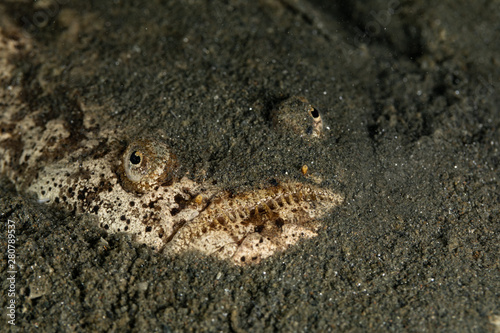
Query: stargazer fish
90, 166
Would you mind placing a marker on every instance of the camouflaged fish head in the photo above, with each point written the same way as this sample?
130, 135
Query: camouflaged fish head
132, 185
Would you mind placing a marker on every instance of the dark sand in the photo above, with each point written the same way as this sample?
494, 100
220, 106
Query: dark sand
410, 93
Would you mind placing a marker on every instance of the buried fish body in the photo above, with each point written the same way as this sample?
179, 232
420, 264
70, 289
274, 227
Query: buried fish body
134, 188
176, 215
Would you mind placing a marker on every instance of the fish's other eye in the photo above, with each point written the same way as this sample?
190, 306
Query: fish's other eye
146, 163
296, 115
314, 112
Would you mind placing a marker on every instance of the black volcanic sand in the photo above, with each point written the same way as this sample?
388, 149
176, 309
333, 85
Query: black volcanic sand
409, 92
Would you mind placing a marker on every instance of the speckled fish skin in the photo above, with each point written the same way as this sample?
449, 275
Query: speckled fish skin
131, 185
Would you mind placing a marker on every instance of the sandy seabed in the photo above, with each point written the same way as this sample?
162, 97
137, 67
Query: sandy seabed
408, 92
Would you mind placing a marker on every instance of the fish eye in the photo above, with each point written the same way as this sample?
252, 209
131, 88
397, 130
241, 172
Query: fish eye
146, 163
296, 115
314, 112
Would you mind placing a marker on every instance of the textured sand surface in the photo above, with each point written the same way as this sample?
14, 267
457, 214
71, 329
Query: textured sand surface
408, 98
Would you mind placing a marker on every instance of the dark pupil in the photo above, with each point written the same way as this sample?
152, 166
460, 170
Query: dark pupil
314, 113
134, 158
